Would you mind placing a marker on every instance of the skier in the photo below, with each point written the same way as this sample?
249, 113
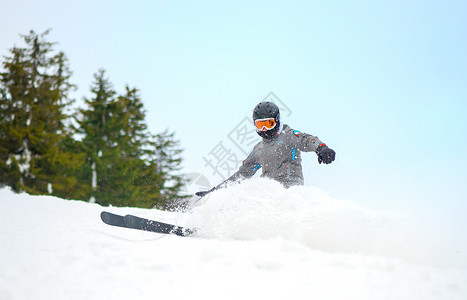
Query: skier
278, 154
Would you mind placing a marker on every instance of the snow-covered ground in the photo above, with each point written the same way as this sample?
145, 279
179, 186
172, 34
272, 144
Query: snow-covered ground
256, 240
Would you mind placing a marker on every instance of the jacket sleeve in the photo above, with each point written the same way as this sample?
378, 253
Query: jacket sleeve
248, 168
304, 142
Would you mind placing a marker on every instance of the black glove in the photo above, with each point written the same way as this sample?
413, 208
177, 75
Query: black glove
204, 193
325, 154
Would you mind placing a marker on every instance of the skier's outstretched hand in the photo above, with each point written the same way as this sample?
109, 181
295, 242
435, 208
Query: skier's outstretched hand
326, 155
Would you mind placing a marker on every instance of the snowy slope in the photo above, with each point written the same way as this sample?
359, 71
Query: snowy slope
297, 243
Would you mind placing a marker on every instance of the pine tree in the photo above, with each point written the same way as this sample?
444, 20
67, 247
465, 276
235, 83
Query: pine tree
156, 183
34, 94
138, 149
94, 125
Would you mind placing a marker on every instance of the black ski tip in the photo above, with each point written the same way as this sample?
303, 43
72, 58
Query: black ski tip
112, 219
105, 216
134, 222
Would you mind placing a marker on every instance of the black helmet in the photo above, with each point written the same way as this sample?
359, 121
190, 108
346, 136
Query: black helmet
266, 110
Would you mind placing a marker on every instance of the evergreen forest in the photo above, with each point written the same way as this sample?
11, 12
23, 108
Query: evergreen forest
102, 152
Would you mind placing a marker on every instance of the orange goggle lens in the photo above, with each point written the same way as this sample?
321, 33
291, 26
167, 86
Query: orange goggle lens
265, 123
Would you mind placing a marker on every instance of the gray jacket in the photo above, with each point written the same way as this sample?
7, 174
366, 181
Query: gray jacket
279, 157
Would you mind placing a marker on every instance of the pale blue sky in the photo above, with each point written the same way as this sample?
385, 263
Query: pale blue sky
384, 83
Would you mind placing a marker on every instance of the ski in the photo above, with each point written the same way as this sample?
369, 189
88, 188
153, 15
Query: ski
134, 222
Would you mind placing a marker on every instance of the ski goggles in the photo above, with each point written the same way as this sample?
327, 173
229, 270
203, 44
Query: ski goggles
267, 124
